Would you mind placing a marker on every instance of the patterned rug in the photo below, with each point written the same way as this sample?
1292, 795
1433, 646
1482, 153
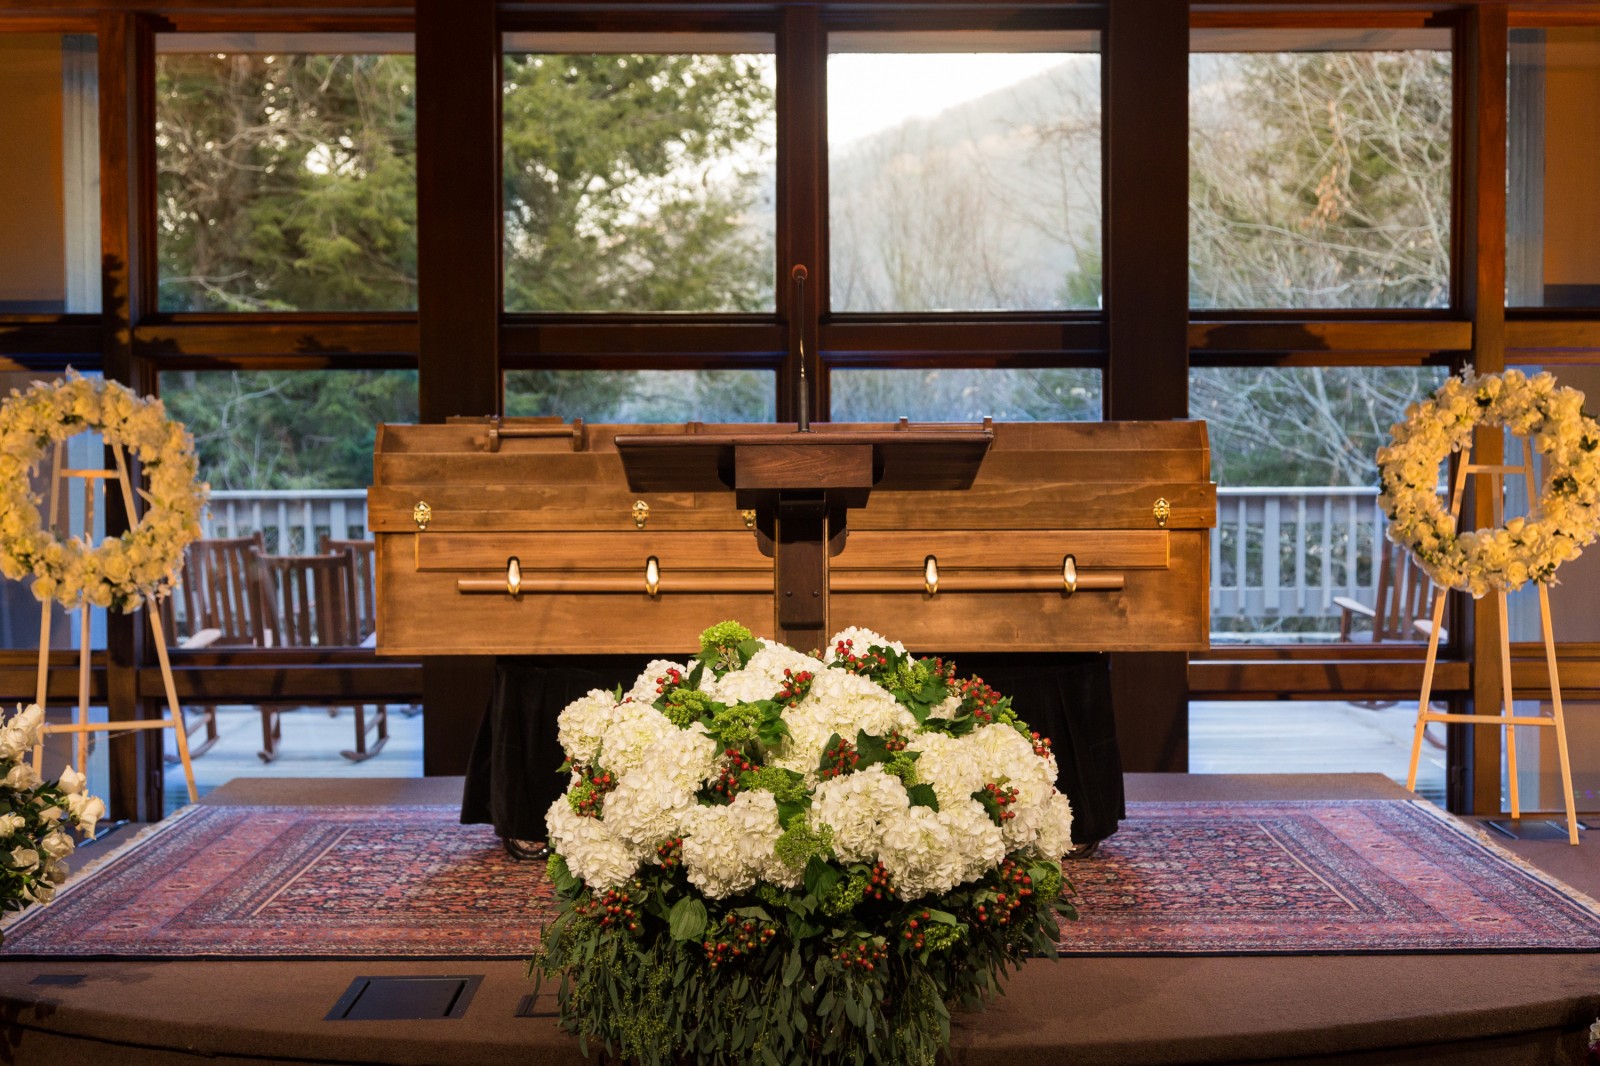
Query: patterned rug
1315, 877
1179, 878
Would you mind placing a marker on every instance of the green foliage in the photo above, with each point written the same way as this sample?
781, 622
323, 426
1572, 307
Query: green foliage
288, 429
686, 705
786, 786
613, 199
725, 634
746, 723
800, 843
801, 989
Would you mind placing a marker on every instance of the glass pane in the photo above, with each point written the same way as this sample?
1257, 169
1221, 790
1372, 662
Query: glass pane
1539, 763
1552, 214
964, 171
1319, 169
19, 611
49, 174
1298, 552
638, 176
1316, 737
1028, 395
630, 396
287, 173
1574, 610
309, 745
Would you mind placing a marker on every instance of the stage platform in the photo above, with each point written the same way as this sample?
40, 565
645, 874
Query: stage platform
1455, 1008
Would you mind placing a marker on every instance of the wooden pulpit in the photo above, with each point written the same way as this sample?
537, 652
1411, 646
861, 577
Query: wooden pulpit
536, 536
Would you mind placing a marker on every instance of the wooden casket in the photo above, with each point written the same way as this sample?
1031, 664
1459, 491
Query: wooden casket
522, 536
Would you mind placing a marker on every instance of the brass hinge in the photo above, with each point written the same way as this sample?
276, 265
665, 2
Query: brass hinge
422, 514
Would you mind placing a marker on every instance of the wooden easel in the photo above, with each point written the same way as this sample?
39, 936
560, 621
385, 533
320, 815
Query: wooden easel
81, 725
1495, 474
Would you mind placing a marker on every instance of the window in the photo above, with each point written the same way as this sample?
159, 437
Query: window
286, 172
639, 174
642, 395
1298, 523
957, 395
1552, 215
964, 171
49, 174
1319, 168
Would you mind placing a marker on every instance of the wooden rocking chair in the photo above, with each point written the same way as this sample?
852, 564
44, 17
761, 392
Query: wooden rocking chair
223, 609
312, 601
1402, 603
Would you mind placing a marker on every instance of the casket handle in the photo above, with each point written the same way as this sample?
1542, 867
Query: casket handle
930, 575
1069, 573
498, 432
513, 576
652, 576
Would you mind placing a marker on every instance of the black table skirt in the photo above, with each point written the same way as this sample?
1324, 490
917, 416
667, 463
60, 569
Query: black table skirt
512, 777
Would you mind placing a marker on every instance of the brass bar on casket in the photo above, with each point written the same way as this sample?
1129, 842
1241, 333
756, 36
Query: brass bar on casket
1043, 581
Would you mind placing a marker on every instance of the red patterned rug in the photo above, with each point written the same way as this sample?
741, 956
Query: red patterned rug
1179, 878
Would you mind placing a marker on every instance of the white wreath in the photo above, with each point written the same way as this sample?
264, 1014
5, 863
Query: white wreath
1566, 517
122, 571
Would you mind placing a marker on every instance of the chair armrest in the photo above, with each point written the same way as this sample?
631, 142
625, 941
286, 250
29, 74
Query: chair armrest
203, 639
1344, 603
1425, 627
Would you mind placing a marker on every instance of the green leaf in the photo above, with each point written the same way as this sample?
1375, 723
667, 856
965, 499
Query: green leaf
871, 749
923, 796
986, 799
820, 877
688, 919
560, 875
942, 917
791, 972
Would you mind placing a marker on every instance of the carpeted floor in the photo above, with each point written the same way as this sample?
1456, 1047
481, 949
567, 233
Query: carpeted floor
1196, 878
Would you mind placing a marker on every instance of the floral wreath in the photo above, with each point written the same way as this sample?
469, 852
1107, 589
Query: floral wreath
1567, 514
123, 571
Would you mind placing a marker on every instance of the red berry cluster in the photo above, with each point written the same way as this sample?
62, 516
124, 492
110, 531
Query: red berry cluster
671, 680
879, 884
839, 759
1015, 887
865, 957
1041, 745
616, 909
733, 764
913, 932
795, 686
844, 652
669, 853
895, 742
1003, 798
603, 782
983, 699
737, 938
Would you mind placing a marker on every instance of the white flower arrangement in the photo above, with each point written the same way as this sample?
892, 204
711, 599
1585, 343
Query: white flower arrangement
1566, 517
122, 571
865, 819
34, 816
653, 765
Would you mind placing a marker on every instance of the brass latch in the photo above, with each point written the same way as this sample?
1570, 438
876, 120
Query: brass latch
641, 514
422, 514
749, 519
1163, 511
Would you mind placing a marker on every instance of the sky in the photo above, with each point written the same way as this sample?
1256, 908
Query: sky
868, 93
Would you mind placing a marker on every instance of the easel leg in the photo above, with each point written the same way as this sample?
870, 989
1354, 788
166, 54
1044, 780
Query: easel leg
1508, 708
83, 689
41, 688
1427, 689
179, 730
1555, 704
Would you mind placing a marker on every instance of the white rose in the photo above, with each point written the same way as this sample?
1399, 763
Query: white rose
24, 858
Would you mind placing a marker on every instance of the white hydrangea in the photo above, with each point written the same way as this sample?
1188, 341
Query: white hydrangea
582, 724
1006, 757
591, 850
650, 802
856, 807
630, 732
950, 764
644, 689
1055, 830
979, 843
921, 854
860, 640
843, 703
726, 849
20, 733
761, 678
